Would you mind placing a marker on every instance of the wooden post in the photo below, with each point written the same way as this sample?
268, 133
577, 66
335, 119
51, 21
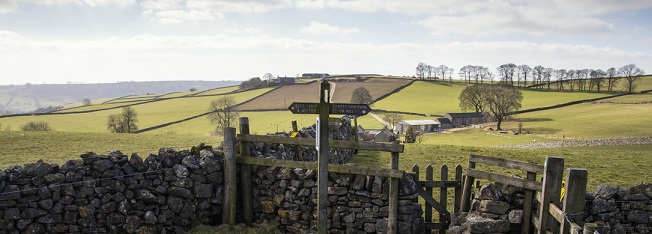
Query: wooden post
392, 222
468, 187
550, 193
322, 163
230, 189
458, 189
574, 200
415, 169
295, 128
245, 173
428, 211
527, 205
443, 195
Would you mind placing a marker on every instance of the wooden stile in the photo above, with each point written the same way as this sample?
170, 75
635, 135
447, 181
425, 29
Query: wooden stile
245, 175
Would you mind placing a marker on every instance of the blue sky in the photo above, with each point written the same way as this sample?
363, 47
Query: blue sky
91, 41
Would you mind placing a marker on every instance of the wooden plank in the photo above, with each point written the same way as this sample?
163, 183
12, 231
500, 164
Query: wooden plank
440, 183
589, 228
556, 213
384, 147
574, 200
336, 168
458, 189
523, 183
575, 229
297, 148
528, 205
531, 167
230, 189
465, 205
554, 169
429, 177
430, 226
443, 193
245, 176
535, 222
434, 204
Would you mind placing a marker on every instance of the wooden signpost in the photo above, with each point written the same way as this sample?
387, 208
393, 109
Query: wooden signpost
324, 108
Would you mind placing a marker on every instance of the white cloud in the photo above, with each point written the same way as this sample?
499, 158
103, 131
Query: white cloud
326, 29
8, 6
224, 56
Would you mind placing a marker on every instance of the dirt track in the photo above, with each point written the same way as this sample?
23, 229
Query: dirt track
579, 143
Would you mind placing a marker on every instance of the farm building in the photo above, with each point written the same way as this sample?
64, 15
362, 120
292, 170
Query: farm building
315, 75
445, 123
418, 125
466, 119
382, 135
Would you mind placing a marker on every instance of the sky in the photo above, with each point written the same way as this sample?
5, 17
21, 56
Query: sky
102, 41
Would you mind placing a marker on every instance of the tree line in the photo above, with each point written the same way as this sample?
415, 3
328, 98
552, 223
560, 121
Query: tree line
539, 77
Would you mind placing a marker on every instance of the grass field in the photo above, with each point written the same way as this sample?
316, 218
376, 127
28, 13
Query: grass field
589, 120
632, 98
282, 97
149, 114
442, 97
218, 91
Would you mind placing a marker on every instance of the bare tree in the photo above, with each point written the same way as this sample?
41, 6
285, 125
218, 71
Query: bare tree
506, 73
560, 76
268, 77
632, 74
87, 102
471, 98
501, 101
124, 122
392, 119
612, 78
597, 79
222, 114
450, 74
547, 75
522, 71
361, 95
442, 69
465, 72
422, 69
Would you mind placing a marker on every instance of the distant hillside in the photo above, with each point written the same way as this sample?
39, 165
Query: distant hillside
26, 98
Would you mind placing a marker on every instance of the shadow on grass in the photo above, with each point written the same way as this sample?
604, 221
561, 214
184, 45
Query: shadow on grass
534, 120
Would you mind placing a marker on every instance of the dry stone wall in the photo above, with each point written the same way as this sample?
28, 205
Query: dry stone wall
357, 203
342, 131
164, 193
497, 208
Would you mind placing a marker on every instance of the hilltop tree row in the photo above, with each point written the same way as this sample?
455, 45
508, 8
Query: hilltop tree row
540, 77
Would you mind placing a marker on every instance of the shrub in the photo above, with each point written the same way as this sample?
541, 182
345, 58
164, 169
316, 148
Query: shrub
36, 126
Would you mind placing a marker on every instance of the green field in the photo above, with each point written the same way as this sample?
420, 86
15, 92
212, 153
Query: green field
632, 98
217, 91
442, 97
589, 120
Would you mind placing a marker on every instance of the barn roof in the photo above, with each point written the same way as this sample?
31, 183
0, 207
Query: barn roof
444, 121
466, 115
419, 122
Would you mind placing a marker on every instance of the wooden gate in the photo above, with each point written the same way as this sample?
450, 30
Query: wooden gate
549, 215
425, 190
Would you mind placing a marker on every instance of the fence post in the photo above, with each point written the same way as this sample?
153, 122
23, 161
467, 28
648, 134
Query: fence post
297, 150
392, 222
574, 199
526, 221
443, 195
458, 189
466, 193
415, 169
230, 189
428, 215
245, 173
553, 169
